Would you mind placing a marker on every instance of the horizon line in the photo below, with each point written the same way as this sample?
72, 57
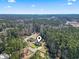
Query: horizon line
44, 14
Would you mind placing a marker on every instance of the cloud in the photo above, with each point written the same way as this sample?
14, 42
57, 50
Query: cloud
72, 0
33, 5
70, 3
12, 1
8, 6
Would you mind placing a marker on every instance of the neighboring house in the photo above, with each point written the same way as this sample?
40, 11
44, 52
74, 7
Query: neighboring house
4, 56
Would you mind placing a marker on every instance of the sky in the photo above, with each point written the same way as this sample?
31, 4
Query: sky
39, 6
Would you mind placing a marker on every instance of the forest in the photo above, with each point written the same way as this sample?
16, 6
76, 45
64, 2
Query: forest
62, 41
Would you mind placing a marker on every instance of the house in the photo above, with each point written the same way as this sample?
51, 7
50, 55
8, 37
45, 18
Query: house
38, 40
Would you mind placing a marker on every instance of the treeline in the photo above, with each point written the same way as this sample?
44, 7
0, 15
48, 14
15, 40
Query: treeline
69, 17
